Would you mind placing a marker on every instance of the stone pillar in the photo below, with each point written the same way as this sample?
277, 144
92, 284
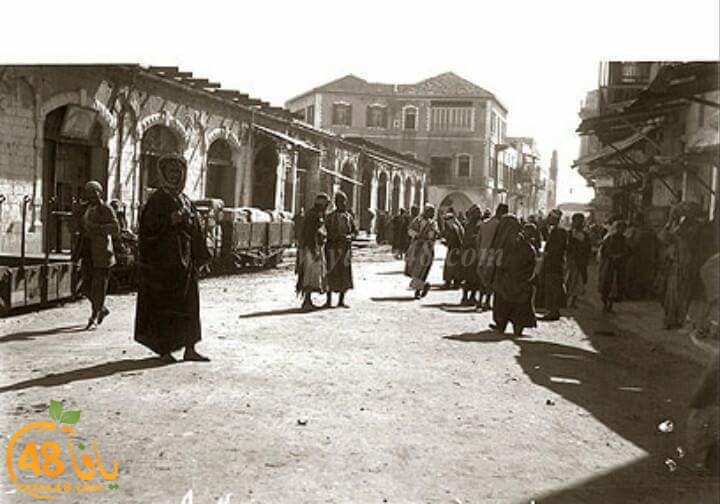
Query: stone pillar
313, 178
295, 156
247, 157
411, 197
374, 199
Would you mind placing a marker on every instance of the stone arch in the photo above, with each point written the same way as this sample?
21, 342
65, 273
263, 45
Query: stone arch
226, 135
166, 119
458, 200
105, 116
156, 141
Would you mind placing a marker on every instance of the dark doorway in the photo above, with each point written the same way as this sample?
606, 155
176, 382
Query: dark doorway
397, 182
382, 192
408, 193
70, 160
220, 173
265, 177
157, 141
365, 199
348, 187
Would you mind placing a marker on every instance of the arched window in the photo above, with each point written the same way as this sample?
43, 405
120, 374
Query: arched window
220, 182
410, 117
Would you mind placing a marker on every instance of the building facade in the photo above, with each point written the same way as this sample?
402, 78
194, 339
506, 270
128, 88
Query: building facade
650, 138
61, 126
449, 123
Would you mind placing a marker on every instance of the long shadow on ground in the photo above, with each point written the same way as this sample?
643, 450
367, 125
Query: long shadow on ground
629, 386
87, 373
31, 335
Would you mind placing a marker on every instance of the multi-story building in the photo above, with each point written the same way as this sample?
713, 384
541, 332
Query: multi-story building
454, 125
651, 138
64, 125
528, 198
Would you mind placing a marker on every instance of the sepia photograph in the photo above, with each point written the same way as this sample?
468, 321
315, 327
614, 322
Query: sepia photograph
370, 252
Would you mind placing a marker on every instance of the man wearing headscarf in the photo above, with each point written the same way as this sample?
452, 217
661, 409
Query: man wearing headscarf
98, 226
486, 253
552, 271
511, 276
579, 250
312, 269
172, 249
423, 232
341, 230
452, 235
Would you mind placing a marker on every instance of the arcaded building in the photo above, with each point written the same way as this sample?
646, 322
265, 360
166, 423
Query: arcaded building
448, 122
61, 126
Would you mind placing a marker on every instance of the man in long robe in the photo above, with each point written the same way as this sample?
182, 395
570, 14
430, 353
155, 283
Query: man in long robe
453, 234
642, 263
341, 230
172, 249
512, 277
552, 272
312, 268
469, 259
423, 232
486, 254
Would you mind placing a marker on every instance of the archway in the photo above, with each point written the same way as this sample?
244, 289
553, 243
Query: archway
220, 181
366, 199
73, 154
397, 182
348, 187
265, 177
382, 192
157, 141
459, 202
408, 193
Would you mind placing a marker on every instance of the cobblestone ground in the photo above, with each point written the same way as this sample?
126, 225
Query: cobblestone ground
394, 400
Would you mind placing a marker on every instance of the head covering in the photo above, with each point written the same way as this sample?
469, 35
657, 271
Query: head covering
93, 187
322, 195
166, 163
341, 195
507, 232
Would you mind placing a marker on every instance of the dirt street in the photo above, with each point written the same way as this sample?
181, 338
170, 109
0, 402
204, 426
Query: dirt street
394, 400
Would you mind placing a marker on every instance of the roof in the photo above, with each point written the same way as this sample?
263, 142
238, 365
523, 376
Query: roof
444, 85
614, 148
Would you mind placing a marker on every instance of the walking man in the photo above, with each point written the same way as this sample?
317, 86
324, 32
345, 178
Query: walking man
98, 225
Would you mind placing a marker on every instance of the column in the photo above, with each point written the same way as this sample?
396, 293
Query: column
374, 199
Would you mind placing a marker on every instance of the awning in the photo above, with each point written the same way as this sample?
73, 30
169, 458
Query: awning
341, 176
286, 138
614, 148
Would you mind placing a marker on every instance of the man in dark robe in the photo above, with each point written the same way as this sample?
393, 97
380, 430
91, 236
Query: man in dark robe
642, 263
512, 277
614, 252
340, 232
470, 280
552, 273
423, 232
312, 268
486, 254
172, 249
452, 234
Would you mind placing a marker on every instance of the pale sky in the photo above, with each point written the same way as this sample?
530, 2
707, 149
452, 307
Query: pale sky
539, 57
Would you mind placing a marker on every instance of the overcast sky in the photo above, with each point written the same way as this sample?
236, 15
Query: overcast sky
538, 57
